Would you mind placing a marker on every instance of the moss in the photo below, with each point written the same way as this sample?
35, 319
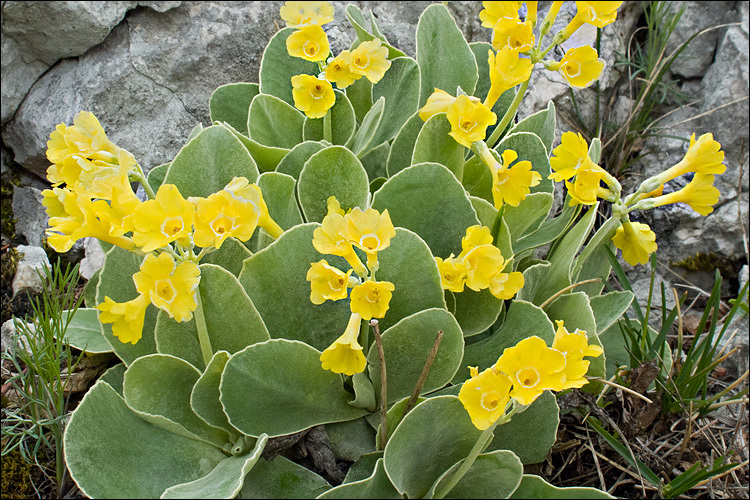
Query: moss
706, 262
8, 265
8, 223
16, 477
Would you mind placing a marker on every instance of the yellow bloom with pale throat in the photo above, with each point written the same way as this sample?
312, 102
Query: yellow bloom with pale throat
250, 194
704, 156
476, 236
370, 59
511, 184
574, 346
127, 318
221, 216
327, 282
169, 286
345, 354
482, 264
505, 286
309, 42
637, 241
332, 237
598, 14
160, 221
312, 96
496, 11
485, 396
452, 273
298, 14
86, 138
370, 231
439, 102
469, 120
580, 67
514, 34
339, 72
533, 367
507, 70
700, 194
371, 299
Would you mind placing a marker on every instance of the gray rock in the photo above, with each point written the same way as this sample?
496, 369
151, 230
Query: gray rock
19, 75
94, 259
10, 337
32, 261
738, 335
31, 217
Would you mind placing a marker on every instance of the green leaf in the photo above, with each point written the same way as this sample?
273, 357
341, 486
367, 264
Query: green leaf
406, 346
279, 193
476, 311
548, 231
486, 212
522, 320
204, 398
610, 307
364, 392
400, 88
111, 452
209, 162
351, 439
528, 215
535, 487
266, 157
230, 103
436, 146
116, 282
275, 280
358, 22
394, 415
530, 147
430, 439
273, 122
595, 149
477, 178
277, 67
402, 147
113, 376
85, 333
375, 160
195, 131
359, 94
293, 162
333, 171
278, 387
533, 277
375, 486
282, 478
493, 475
444, 57
364, 467
542, 124
480, 51
363, 139
444, 212
530, 434
156, 175
230, 256
225, 481
343, 122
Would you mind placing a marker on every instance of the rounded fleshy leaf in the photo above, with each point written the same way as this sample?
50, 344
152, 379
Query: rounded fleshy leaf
84, 333
530, 148
282, 478
266, 157
279, 193
436, 146
530, 434
402, 148
363, 141
273, 122
351, 439
230, 103
293, 162
343, 122
376, 486
375, 161
204, 398
400, 87
476, 311
535, 487
277, 67
542, 123
230, 256
114, 375
492, 475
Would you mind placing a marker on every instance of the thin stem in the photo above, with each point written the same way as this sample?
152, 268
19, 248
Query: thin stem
567, 288
425, 371
445, 488
508, 114
327, 128
383, 386
141, 177
200, 323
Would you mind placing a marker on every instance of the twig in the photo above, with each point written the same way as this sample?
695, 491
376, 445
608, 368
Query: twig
383, 385
596, 460
618, 386
567, 288
423, 376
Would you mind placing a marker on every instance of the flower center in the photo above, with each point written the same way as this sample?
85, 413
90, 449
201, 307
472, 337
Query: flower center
310, 48
221, 225
573, 69
361, 62
528, 377
317, 91
172, 226
165, 290
370, 241
490, 400
373, 295
466, 124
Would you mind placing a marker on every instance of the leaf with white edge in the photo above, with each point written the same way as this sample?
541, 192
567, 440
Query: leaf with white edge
533, 277
595, 149
486, 212
402, 148
407, 345
116, 282
275, 280
156, 175
204, 398
376, 486
363, 468
179, 339
225, 481
400, 87
295, 160
522, 320
528, 215
445, 210
209, 162
592, 261
278, 387
195, 131
333, 171
364, 392
359, 94
266, 157
363, 138
231, 102
541, 123
113, 376
548, 231
351, 439
530, 434
476, 311
435, 145
530, 148
230, 256
279, 193
273, 122
610, 307
477, 179
535, 487
282, 478
480, 51
375, 161
393, 417
436, 434
343, 122
492, 475
111, 452
84, 333
277, 67
358, 22
444, 56
167, 402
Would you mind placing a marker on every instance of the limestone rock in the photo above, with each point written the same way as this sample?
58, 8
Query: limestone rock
94, 259
31, 217
32, 261
10, 337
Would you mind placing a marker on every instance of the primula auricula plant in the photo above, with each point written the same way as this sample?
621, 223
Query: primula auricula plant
340, 191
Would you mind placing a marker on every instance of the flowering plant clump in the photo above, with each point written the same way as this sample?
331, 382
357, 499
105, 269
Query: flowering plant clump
405, 208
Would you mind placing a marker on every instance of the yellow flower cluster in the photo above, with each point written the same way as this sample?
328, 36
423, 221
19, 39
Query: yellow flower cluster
511, 184
524, 372
340, 232
314, 95
479, 266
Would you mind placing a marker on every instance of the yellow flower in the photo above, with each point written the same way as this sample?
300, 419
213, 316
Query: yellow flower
169, 287
371, 299
513, 34
221, 216
370, 59
331, 237
587, 187
700, 194
439, 102
580, 67
495, 11
569, 157
119, 212
485, 396
250, 194
505, 286
533, 367
636, 241
309, 42
477, 235
452, 273
574, 346
469, 120
531, 12
482, 264
338, 70
598, 14
370, 231
704, 156
85, 138
506, 71
345, 354
163, 220
312, 96
327, 282
298, 14
127, 317
511, 185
